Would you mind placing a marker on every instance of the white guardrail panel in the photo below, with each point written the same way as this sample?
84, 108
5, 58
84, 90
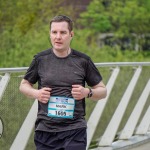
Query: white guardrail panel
1, 128
23, 135
3, 83
145, 124
97, 112
130, 126
112, 127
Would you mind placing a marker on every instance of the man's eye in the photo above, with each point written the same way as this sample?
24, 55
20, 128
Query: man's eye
63, 32
54, 32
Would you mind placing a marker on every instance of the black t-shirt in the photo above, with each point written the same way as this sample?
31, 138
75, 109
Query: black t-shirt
60, 74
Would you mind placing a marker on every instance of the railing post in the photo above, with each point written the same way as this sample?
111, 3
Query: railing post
3, 84
26, 129
145, 123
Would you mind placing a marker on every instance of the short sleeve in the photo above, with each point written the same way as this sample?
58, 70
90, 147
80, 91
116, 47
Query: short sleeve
32, 72
93, 76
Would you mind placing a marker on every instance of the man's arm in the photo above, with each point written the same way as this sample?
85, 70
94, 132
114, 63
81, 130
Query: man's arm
27, 89
99, 91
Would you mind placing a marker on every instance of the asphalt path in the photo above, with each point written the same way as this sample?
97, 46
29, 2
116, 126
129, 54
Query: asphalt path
145, 146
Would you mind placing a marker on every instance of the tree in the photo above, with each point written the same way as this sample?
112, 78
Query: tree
124, 18
24, 28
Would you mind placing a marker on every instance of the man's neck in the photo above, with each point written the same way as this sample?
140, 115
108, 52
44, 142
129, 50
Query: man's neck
62, 53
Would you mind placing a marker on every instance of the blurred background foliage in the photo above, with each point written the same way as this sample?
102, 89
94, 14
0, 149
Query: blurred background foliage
107, 30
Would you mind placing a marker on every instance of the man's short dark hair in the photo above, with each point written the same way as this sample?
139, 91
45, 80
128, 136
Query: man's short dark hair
61, 18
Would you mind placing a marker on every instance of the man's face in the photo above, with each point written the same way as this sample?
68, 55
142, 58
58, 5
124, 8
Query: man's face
60, 36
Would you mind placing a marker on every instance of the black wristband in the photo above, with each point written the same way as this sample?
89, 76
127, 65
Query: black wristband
90, 93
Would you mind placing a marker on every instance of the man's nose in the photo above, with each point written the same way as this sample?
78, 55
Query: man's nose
58, 36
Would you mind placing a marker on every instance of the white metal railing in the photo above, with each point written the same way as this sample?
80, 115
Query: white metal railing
107, 64
106, 141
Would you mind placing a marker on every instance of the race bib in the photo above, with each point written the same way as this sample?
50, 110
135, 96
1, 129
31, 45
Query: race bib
61, 107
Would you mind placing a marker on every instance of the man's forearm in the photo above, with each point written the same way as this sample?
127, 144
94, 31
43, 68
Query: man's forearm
28, 90
99, 93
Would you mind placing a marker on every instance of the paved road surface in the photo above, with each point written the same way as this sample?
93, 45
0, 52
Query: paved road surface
146, 146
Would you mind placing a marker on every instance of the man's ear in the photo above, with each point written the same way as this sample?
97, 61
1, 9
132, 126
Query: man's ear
72, 34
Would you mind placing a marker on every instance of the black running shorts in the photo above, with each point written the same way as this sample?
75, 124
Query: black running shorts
66, 140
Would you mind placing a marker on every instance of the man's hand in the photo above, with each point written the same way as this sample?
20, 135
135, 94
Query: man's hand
79, 92
43, 95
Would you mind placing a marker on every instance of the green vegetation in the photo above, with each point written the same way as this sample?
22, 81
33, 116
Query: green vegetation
24, 29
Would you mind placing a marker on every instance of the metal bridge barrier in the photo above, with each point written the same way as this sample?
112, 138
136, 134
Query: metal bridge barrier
120, 121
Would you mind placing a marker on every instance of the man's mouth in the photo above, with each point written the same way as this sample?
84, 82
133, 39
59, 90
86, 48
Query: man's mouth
58, 43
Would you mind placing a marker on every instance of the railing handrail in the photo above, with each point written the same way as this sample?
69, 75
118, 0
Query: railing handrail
103, 64
111, 64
